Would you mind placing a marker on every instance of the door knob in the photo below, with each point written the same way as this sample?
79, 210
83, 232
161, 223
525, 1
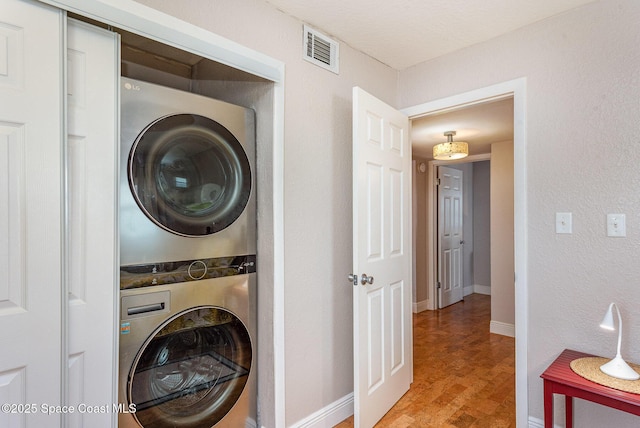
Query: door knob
366, 279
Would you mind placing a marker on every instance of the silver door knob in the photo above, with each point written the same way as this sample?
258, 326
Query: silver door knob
353, 278
366, 279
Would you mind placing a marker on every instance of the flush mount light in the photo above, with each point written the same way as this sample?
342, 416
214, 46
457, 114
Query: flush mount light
450, 150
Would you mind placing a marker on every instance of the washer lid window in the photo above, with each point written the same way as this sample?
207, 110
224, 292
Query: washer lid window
191, 371
189, 174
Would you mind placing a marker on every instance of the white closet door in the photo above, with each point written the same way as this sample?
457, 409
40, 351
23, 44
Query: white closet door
92, 87
31, 36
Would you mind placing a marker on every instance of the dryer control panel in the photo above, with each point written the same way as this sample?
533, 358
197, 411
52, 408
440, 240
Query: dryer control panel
147, 275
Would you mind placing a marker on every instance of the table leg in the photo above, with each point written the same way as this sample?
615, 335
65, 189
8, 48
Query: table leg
568, 409
548, 405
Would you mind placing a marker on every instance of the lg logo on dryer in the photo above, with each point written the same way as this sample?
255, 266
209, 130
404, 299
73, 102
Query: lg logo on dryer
131, 87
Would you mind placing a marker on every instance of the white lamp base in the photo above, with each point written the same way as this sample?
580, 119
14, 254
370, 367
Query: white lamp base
620, 369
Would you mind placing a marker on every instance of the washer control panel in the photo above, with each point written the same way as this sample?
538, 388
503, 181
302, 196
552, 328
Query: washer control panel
147, 275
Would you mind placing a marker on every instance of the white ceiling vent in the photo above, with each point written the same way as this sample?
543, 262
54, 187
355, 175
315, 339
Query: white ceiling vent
321, 50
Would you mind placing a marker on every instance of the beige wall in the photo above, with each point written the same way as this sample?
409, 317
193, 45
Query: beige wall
317, 192
582, 71
421, 265
482, 224
502, 262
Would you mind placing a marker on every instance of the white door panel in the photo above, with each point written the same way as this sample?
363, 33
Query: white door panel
450, 239
92, 148
381, 227
31, 40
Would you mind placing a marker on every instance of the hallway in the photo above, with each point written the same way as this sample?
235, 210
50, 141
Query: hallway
463, 375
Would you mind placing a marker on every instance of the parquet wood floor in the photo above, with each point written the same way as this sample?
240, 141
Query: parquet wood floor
464, 376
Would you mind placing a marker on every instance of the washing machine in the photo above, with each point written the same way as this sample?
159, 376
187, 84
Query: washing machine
187, 260
187, 357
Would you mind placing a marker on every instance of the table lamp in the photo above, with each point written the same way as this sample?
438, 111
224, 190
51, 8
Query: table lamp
617, 367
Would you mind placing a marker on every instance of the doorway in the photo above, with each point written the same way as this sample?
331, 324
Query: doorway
469, 230
486, 126
512, 89
177, 36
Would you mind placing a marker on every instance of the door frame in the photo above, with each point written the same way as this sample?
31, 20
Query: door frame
433, 220
433, 301
153, 24
517, 89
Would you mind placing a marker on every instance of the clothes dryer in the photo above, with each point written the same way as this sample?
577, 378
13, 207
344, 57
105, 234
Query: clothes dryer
186, 178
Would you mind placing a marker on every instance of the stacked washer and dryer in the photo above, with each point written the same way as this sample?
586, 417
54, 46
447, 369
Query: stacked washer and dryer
187, 254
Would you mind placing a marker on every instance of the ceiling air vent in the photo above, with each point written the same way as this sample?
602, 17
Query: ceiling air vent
321, 50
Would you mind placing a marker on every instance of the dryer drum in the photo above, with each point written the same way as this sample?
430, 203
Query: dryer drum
191, 371
189, 174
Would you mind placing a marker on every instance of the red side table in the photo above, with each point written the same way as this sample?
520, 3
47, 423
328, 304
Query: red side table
560, 379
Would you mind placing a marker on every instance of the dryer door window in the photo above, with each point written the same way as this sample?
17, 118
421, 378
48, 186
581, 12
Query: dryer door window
191, 371
189, 174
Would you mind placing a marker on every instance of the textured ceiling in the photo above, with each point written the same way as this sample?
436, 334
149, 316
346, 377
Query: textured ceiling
402, 33
479, 125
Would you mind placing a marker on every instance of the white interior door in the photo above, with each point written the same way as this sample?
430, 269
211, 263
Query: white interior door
31, 41
92, 147
450, 239
382, 254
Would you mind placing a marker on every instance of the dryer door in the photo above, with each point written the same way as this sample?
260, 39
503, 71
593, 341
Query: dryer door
191, 370
189, 174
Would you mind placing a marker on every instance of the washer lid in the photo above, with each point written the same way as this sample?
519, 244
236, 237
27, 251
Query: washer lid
191, 370
189, 174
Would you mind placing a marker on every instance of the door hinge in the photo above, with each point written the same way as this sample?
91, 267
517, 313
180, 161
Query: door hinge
438, 285
437, 181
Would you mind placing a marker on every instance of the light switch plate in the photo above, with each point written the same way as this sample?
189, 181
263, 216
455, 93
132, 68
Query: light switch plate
564, 223
616, 225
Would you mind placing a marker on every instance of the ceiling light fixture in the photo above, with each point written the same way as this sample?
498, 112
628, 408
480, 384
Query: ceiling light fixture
450, 150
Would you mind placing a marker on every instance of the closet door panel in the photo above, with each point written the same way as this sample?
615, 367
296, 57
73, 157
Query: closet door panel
92, 148
31, 40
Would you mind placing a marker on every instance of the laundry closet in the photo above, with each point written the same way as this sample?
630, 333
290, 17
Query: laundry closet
61, 310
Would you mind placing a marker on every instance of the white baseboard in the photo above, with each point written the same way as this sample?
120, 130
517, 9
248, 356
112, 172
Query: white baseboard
425, 305
330, 415
535, 422
341, 409
420, 306
477, 289
482, 289
539, 423
502, 328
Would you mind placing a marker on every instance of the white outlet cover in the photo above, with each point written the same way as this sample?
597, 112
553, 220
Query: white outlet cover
616, 225
564, 223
